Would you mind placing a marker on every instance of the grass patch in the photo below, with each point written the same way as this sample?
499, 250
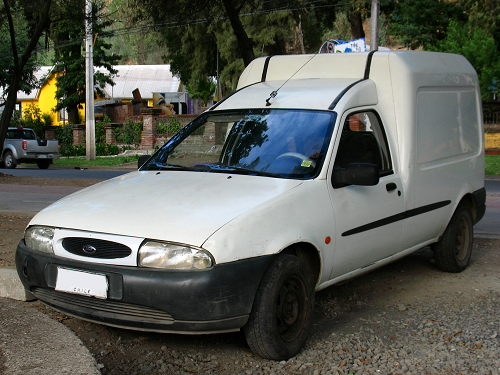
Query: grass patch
492, 165
108, 161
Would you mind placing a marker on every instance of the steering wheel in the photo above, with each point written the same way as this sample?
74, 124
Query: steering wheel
296, 155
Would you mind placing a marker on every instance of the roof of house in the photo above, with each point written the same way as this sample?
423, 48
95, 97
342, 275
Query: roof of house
147, 78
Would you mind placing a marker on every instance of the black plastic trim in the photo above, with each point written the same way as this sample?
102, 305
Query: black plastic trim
397, 217
339, 96
227, 97
480, 203
217, 299
365, 77
368, 65
264, 71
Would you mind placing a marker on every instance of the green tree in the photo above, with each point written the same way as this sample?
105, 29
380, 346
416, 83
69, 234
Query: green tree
479, 48
133, 40
423, 23
200, 34
204, 90
485, 15
69, 61
37, 16
7, 66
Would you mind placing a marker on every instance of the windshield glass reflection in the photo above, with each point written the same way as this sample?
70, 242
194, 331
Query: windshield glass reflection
277, 143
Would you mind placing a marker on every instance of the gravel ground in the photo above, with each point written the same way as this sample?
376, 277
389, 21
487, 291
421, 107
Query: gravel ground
429, 338
406, 318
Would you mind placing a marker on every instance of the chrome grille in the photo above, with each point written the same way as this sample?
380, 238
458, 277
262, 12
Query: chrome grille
95, 248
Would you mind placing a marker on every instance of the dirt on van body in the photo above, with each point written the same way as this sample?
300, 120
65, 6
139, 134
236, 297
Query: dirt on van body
391, 294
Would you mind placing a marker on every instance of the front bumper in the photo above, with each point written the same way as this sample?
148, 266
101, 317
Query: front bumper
147, 299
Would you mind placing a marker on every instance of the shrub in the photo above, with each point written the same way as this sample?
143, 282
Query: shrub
100, 131
64, 134
172, 126
34, 119
130, 133
113, 149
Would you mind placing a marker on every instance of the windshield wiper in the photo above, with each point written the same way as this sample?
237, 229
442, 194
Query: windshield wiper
252, 172
221, 168
167, 166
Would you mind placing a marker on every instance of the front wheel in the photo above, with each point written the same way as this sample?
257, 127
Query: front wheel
8, 160
454, 249
282, 311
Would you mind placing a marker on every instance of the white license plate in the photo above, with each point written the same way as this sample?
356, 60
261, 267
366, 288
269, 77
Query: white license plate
42, 156
81, 282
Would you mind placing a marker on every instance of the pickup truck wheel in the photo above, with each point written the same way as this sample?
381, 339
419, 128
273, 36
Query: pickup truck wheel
43, 164
282, 311
454, 249
8, 160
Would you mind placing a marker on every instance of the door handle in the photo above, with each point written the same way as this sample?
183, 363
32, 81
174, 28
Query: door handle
391, 186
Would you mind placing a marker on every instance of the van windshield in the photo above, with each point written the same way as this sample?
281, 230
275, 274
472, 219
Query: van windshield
276, 143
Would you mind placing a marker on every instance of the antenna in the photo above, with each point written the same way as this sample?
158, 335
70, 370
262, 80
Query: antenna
275, 92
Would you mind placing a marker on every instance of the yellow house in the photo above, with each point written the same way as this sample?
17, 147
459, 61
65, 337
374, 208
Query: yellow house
149, 79
45, 98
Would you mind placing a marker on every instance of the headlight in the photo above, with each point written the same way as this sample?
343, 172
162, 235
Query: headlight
39, 238
173, 256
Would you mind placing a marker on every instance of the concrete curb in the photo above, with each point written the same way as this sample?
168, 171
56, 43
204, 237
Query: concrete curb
11, 286
31, 343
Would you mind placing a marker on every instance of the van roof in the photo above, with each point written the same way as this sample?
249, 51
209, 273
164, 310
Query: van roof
299, 93
315, 81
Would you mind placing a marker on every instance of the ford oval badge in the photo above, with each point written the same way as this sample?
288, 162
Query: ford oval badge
89, 249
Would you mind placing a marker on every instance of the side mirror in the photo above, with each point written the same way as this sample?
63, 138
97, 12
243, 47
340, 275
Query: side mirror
142, 159
361, 174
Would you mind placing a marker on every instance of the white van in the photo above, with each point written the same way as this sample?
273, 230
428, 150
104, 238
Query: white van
319, 168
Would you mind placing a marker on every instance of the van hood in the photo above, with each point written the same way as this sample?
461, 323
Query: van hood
177, 206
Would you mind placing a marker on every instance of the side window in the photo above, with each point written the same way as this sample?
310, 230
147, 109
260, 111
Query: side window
363, 141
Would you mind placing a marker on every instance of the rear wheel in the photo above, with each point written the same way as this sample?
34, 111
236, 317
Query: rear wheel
8, 160
43, 164
454, 249
282, 311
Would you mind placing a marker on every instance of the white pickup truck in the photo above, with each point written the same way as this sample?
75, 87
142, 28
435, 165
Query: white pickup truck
319, 168
22, 146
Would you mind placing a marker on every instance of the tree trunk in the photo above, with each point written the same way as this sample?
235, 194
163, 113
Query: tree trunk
73, 115
244, 42
19, 63
356, 25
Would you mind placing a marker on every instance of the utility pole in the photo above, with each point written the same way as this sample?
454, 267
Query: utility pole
89, 83
374, 25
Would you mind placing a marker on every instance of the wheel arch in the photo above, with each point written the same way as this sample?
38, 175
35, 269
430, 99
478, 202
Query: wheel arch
11, 149
309, 254
475, 202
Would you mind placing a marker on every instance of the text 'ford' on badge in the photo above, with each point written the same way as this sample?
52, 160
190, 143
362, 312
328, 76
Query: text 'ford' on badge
89, 249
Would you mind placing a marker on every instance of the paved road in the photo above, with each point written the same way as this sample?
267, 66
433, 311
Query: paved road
65, 173
31, 198
489, 226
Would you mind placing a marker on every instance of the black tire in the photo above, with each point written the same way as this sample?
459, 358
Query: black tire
43, 164
9, 160
454, 249
282, 311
